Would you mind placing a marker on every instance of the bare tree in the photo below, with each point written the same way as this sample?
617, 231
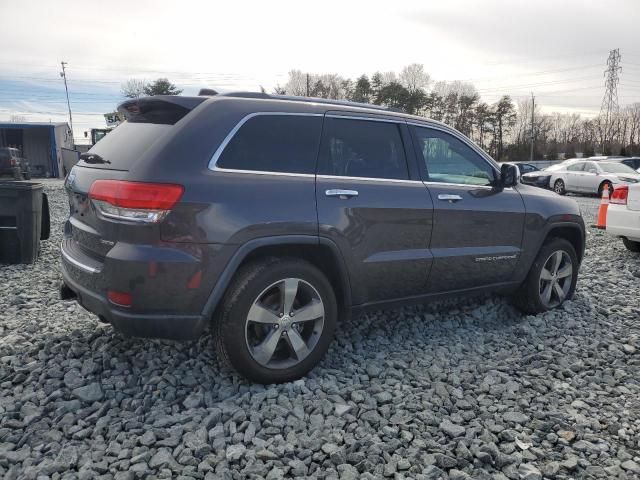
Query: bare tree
414, 78
133, 88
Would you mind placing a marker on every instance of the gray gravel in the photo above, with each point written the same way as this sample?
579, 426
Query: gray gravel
461, 390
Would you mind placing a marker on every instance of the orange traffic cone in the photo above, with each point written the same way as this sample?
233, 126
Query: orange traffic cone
601, 221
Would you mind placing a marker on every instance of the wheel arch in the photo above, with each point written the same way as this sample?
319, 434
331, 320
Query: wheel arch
320, 252
570, 232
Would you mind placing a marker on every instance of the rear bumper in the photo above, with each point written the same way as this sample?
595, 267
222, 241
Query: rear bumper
623, 222
174, 327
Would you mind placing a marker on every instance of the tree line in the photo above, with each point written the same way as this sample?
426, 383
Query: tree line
503, 128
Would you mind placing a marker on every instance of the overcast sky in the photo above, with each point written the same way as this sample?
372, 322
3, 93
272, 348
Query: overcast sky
557, 49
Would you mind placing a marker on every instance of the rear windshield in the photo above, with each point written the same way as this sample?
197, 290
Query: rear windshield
123, 146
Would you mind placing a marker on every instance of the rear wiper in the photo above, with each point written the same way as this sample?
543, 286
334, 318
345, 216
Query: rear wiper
93, 158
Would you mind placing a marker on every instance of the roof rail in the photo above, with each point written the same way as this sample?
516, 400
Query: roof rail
295, 98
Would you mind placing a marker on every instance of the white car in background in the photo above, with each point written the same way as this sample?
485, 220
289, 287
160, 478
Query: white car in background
623, 215
591, 176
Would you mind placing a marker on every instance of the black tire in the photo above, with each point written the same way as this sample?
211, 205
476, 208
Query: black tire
230, 325
559, 187
631, 245
528, 298
601, 188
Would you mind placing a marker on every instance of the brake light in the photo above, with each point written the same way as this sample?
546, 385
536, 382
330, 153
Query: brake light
620, 195
134, 201
122, 299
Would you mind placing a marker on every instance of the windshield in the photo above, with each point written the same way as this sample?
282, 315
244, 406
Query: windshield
617, 168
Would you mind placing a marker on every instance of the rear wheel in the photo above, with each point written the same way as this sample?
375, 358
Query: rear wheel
559, 187
552, 278
276, 321
631, 245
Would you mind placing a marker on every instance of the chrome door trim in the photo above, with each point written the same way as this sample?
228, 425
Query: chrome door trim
367, 179
214, 159
449, 197
75, 262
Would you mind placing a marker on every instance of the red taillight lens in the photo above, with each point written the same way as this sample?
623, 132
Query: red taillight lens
620, 195
147, 196
121, 299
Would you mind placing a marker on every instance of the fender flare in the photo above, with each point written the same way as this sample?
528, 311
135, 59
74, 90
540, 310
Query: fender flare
244, 250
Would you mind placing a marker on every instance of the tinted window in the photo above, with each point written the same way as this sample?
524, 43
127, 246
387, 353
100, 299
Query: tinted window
274, 143
362, 148
576, 167
526, 168
124, 145
446, 159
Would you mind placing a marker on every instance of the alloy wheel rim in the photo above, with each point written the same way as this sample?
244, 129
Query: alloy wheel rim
556, 277
284, 323
559, 186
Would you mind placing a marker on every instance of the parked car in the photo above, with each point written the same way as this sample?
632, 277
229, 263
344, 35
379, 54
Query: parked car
274, 217
623, 215
12, 163
591, 177
632, 162
542, 177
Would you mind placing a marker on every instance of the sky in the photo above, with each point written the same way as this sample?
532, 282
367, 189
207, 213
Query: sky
555, 49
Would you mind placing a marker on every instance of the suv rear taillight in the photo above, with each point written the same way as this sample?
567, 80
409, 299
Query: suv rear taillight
134, 201
620, 195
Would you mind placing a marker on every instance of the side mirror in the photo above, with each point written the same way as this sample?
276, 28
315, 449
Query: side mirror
509, 175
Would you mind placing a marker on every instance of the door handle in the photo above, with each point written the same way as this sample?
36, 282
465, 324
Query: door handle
337, 192
447, 197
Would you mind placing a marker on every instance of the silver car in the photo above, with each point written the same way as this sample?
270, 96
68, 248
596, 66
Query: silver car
591, 177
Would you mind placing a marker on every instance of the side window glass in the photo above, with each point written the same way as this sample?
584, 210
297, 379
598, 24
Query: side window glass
362, 148
576, 167
274, 143
446, 159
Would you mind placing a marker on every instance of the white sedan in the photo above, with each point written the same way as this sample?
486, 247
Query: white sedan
623, 215
591, 177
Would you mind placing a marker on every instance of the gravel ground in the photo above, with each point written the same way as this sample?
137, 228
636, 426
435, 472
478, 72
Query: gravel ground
466, 390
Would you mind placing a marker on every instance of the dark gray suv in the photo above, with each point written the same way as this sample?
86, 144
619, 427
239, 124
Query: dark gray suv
272, 218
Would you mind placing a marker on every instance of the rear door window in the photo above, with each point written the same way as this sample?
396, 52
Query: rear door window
274, 143
576, 167
362, 148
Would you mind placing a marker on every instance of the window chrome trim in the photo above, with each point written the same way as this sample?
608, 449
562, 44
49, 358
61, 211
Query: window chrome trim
454, 133
467, 185
213, 163
368, 179
75, 262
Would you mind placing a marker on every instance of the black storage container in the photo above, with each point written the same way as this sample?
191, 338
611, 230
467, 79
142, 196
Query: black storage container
20, 221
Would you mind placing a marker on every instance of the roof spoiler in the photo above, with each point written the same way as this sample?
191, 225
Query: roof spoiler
163, 109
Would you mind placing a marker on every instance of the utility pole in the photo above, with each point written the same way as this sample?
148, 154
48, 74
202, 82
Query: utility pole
610, 108
533, 109
307, 84
63, 74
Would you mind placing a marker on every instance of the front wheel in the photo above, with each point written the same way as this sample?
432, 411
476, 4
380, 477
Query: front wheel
552, 278
559, 187
276, 321
631, 245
